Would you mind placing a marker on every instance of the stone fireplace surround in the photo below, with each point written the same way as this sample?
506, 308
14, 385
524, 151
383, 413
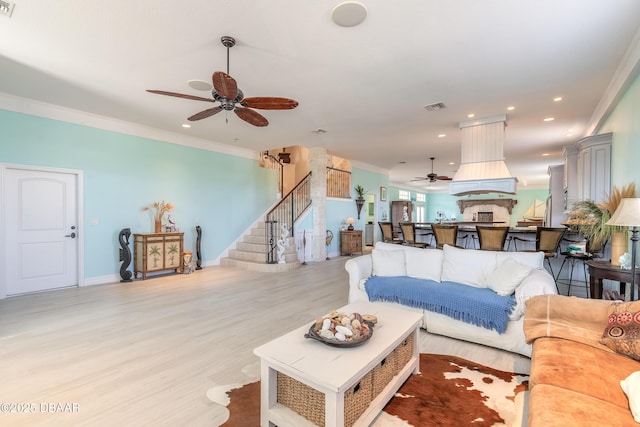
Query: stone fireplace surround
501, 208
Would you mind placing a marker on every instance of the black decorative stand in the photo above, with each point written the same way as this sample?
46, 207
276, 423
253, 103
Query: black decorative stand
198, 243
125, 254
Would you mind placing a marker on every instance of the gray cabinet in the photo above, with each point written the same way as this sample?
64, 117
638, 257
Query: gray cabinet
368, 234
594, 167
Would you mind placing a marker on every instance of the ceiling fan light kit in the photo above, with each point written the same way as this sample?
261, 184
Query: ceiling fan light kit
225, 92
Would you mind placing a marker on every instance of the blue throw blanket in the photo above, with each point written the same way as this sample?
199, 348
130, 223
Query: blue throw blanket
478, 306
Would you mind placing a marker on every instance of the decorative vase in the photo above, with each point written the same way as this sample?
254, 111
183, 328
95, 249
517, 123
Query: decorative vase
619, 245
158, 226
359, 205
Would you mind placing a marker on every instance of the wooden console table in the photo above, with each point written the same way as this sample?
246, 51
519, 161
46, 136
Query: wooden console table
157, 251
350, 242
599, 270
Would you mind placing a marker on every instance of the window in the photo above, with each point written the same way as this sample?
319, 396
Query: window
421, 197
421, 213
404, 195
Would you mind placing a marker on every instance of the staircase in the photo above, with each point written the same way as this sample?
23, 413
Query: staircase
250, 253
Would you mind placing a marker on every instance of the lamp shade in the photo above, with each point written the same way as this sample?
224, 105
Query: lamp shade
351, 220
627, 214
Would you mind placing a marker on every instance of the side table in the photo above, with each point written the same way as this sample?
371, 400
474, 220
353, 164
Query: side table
599, 270
350, 242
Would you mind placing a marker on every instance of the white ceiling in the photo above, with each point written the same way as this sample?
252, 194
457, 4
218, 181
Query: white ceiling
366, 85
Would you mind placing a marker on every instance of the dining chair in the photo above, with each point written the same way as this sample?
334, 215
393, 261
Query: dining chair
445, 235
409, 235
492, 238
387, 233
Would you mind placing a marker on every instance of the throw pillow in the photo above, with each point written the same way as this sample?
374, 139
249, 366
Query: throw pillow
467, 266
424, 264
631, 387
507, 277
622, 333
388, 263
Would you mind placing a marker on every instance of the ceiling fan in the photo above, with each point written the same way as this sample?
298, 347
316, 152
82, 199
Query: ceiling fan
225, 91
432, 177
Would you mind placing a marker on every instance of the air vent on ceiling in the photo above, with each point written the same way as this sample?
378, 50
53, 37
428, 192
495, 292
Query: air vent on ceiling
435, 107
6, 8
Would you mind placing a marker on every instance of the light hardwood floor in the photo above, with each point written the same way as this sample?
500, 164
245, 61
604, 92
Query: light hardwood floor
145, 353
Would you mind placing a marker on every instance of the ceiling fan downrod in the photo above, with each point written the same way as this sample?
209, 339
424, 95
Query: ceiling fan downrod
228, 41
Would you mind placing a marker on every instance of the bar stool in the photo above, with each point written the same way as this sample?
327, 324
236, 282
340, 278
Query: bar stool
591, 252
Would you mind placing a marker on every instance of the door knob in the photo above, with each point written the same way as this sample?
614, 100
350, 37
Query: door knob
72, 235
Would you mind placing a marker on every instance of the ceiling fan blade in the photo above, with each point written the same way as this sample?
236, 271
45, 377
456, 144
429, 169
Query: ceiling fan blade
444, 178
251, 117
419, 178
204, 114
180, 95
225, 85
269, 103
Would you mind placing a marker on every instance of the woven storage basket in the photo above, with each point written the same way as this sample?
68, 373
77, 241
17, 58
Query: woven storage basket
310, 403
383, 373
403, 353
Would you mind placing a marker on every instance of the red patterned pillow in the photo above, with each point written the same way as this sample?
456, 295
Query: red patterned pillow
622, 333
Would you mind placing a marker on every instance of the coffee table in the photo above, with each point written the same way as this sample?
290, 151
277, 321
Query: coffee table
348, 386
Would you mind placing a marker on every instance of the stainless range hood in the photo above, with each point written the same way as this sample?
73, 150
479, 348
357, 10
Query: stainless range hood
482, 168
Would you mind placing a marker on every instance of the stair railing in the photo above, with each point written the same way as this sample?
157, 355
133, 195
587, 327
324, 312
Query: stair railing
270, 162
287, 211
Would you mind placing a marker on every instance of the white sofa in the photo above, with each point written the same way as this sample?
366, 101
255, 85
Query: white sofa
525, 278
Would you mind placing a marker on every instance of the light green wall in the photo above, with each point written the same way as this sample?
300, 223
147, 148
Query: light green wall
624, 122
223, 194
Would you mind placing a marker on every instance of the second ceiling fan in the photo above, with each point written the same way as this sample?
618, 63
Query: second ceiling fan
432, 177
225, 91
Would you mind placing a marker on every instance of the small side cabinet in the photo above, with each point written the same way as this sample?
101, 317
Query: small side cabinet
350, 242
157, 251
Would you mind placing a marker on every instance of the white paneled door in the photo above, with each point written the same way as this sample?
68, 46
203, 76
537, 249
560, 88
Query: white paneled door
40, 222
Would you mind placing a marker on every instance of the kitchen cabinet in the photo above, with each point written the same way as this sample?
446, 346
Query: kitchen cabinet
594, 168
156, 252
397, 210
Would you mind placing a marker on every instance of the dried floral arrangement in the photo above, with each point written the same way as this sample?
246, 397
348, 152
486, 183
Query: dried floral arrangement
590, 218
159, 209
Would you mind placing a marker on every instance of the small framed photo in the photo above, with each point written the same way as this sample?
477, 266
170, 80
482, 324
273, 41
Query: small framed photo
383, 194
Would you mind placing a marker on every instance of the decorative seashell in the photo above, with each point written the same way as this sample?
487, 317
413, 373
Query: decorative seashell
355, 324
340, 337
345, 321
326, 324
344, 330
327, 334
358, 316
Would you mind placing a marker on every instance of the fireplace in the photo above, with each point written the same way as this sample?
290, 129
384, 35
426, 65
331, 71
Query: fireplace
487, 210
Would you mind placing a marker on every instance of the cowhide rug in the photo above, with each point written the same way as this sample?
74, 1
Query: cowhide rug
448, 391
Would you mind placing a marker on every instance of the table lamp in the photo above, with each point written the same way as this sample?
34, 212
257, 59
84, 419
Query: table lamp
351, 220
628, 215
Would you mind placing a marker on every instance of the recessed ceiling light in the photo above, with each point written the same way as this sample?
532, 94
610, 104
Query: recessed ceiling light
442, 135
319, 131
402, 162
451, 163
185, 125
511, 108
349, 14
545, 154
471, 115
549, 119
557, 99
199, 85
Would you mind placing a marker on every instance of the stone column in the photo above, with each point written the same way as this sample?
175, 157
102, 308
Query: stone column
318, 168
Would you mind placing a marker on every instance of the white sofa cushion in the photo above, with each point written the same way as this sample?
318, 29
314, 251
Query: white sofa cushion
507, 277
531, 259
467, 266
424, 263
388, 262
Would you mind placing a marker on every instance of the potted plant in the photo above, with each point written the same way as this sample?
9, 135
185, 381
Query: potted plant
590, 219
360, 200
